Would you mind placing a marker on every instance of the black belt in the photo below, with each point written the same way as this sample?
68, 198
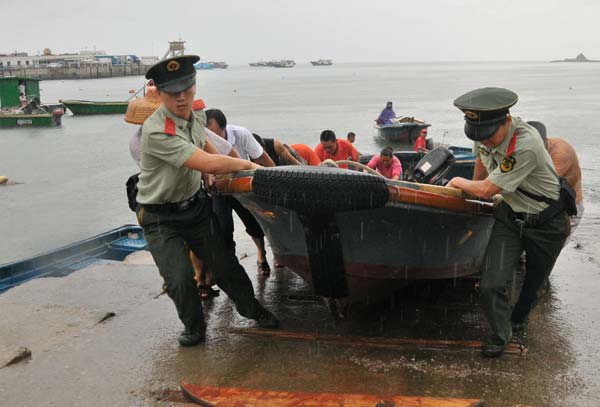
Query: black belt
177, 206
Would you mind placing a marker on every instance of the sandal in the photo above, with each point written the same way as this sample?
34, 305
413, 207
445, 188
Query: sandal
263, 268
206, 292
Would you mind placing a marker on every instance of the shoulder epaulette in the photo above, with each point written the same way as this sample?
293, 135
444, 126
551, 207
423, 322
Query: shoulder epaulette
170, 127
198, 104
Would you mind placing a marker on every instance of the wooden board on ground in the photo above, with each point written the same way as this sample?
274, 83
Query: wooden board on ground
377, 342
243, 397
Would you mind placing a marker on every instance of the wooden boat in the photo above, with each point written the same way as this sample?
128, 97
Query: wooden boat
360, 237
107, 247
403, 132
89, 107
27, 113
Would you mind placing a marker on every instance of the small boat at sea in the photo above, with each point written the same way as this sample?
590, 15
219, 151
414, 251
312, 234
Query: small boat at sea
203, 66
283, 63
402, 131
322, 62
111, 246
359, 237
219, 64
91, 107
20, 104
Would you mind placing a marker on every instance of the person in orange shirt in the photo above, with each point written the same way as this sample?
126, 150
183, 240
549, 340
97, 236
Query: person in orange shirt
334, 149
421, 142
306, 153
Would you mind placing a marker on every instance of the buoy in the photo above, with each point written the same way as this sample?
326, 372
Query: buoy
131, 90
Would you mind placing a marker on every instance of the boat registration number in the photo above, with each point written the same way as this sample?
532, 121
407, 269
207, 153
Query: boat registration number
24, 122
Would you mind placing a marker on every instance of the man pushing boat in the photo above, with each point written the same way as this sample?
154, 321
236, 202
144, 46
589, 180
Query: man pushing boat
531, 217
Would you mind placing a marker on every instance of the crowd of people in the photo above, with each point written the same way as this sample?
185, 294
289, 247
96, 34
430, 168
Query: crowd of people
190, 232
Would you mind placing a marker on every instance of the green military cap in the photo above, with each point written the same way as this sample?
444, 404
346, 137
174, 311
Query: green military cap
174, 75
484, 110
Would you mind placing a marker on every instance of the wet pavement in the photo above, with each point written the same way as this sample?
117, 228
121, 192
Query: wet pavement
133, 357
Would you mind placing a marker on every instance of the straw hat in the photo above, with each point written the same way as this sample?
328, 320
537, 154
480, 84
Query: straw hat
138, 110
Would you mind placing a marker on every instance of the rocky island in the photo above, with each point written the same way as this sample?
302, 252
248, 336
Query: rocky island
578, 58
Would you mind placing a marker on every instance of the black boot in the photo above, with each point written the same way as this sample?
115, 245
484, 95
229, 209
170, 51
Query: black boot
266, 319
492, 347
191, 337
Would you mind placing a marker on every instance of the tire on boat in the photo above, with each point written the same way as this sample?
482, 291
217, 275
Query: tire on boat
318, 189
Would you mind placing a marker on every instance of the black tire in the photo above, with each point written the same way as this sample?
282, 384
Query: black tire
318, 189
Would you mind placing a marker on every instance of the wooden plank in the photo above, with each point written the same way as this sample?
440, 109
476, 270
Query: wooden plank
243, 397
377, 342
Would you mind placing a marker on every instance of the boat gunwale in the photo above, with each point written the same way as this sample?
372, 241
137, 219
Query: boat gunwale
242, 183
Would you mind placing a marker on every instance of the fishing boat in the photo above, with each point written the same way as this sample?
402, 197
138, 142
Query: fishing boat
322, 62
284, 63
359, 237
20, 105
258, 64
219, 64
90, 107
402, 131
111, 246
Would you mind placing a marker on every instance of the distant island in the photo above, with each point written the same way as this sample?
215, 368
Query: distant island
578, 58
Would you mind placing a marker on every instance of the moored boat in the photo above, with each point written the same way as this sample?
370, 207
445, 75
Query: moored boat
20, 105
90, 107
107, 247
360, 237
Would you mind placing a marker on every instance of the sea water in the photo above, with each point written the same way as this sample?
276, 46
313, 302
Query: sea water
74, 176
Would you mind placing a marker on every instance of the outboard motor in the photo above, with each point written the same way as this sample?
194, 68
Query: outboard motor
432, 168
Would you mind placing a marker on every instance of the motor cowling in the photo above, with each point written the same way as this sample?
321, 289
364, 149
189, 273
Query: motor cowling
432, 168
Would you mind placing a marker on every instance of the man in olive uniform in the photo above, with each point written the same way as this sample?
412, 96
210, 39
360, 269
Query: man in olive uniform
174, 210
520, 169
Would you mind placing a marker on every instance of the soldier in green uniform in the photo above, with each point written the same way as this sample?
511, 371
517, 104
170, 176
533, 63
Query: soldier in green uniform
174, 210
530, 218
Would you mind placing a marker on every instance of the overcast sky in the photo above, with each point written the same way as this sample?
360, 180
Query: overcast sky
241, 31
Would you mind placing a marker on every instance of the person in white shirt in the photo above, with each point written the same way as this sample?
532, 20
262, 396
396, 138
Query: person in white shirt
248, 148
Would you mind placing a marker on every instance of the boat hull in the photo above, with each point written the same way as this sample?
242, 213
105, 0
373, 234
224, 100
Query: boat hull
29, 120
85, 107
381, 249
403, 135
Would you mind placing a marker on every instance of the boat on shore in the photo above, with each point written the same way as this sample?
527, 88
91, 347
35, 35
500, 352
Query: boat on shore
107, 247
322, 62
20, 105
90, 107
359, 237
403, 131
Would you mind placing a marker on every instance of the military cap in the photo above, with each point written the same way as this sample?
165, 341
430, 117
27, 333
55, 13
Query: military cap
174, 75
484, 110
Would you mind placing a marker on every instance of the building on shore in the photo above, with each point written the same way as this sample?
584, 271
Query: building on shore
82, 65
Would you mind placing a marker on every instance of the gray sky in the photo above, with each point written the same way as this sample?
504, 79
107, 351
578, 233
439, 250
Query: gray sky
241, 31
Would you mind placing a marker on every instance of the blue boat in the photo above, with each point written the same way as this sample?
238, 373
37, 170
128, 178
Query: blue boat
463, 165
201, 66
111, 246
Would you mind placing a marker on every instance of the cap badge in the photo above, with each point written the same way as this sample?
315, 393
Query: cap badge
507, 164
471, 115
173, 66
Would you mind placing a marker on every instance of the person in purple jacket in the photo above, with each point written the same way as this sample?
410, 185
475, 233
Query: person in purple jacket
387, 115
